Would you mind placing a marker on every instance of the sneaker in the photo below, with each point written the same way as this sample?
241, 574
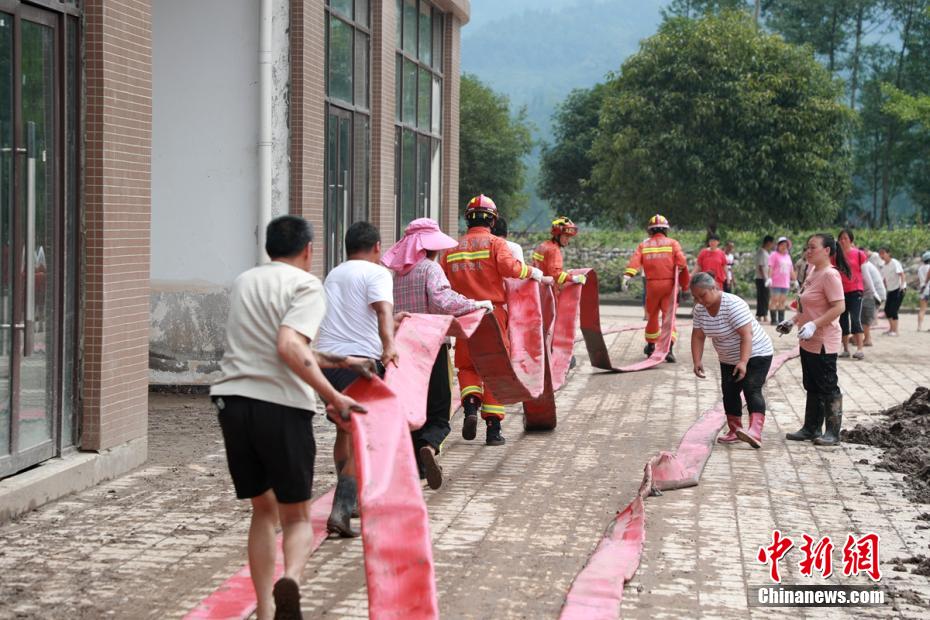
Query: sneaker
494, 437
843, 354
858, 355
286, 600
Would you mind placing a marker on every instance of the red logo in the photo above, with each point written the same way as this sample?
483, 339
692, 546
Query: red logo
860, 555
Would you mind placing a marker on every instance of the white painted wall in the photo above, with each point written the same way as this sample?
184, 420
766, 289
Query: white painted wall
205, 136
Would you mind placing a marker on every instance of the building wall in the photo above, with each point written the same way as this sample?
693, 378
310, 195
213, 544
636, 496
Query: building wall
117, 211
205, 183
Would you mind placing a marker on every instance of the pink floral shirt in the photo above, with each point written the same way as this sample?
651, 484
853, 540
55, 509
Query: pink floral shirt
426, 290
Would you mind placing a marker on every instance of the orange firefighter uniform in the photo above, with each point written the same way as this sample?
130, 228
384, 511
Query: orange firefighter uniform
658, 257
476, 269
547, 257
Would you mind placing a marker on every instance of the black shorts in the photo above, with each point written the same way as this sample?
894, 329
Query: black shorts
268, 446
342, 378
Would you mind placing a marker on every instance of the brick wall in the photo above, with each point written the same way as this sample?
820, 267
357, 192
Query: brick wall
118, 57
308, 120
383, 209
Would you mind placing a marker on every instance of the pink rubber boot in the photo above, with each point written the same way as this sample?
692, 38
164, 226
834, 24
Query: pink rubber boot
734, 422
753, 436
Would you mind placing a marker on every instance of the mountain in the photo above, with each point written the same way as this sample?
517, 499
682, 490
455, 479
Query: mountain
537, 51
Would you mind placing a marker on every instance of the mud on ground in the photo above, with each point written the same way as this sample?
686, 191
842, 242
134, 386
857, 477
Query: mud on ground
905, 438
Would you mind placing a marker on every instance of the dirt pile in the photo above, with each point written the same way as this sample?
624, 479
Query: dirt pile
905, 437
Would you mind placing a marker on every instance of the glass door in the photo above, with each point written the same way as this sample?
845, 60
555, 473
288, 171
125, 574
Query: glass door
30, 237
338, 183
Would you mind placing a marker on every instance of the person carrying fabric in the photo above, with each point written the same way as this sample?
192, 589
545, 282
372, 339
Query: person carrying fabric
359, 321
548, 255
266, 397
743, 349
851, 320
501, 230
873, 296
821, 303
476, 269
923, 280
896, 285
421, 286
781, 278
762, 277
658, 257
713, 260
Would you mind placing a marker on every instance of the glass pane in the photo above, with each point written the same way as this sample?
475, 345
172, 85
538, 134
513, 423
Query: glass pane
426, 33
342, 6
423, 104
410, 92
408, 198
37, 385
399, 24
410, 26
398, 81
340, 60
360, 170
437, 106
6, 225
361, 12
423, 175
72, 93
434, 183
437, 40
361, 70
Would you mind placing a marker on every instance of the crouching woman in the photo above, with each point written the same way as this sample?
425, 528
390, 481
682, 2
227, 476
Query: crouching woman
744, 350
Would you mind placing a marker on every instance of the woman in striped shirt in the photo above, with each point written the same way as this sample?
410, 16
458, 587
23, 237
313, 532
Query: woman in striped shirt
744, 350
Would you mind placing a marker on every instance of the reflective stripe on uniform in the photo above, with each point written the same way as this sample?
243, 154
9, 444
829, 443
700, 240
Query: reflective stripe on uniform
562, 277
498, 409
630, 271
460, 256
655, 335
524, 272
538, 256
472, 389
658, 250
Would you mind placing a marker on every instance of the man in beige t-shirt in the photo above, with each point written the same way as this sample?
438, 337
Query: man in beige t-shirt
266, 401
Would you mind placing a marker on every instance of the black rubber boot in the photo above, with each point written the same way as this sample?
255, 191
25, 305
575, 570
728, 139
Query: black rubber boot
831, 437
344, 502
813, 421
670, 358
494, 437
774, 316
470, 405
781, 316
649, 349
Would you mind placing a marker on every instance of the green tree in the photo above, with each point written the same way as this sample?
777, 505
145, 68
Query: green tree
565, 173
714, 122
493, 143
700, 8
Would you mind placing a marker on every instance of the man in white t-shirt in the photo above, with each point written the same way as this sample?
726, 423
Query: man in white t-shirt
359, 322
895, 285
500, 230
265, 399
744, 350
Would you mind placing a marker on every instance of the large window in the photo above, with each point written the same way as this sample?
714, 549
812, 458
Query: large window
418, 95
348, 123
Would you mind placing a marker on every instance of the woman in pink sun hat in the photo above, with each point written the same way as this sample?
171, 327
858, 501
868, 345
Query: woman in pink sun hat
421, 286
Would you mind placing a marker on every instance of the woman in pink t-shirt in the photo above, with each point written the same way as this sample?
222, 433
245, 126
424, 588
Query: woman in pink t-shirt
781, 276
819, 308
853, 287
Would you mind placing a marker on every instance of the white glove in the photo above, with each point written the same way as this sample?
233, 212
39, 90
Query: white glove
807, 332
536, 274
625, 284
785, 326
485, 305
794, 285
579, 278
768, 283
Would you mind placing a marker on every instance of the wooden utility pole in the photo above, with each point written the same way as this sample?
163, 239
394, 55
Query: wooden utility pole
757, 11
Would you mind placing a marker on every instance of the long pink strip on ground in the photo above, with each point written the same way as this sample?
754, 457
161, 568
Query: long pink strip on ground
597, 591
235, 598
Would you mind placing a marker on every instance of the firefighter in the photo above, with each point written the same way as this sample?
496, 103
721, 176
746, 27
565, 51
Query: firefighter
548, 256
658, 256
476, 269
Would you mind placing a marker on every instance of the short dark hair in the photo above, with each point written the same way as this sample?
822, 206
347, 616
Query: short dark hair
500, 228
713, 237
361, 237
768, 239
885, 249
287, 236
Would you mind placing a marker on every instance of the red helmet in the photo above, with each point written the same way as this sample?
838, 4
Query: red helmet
658, 221
563, 226
481, 207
